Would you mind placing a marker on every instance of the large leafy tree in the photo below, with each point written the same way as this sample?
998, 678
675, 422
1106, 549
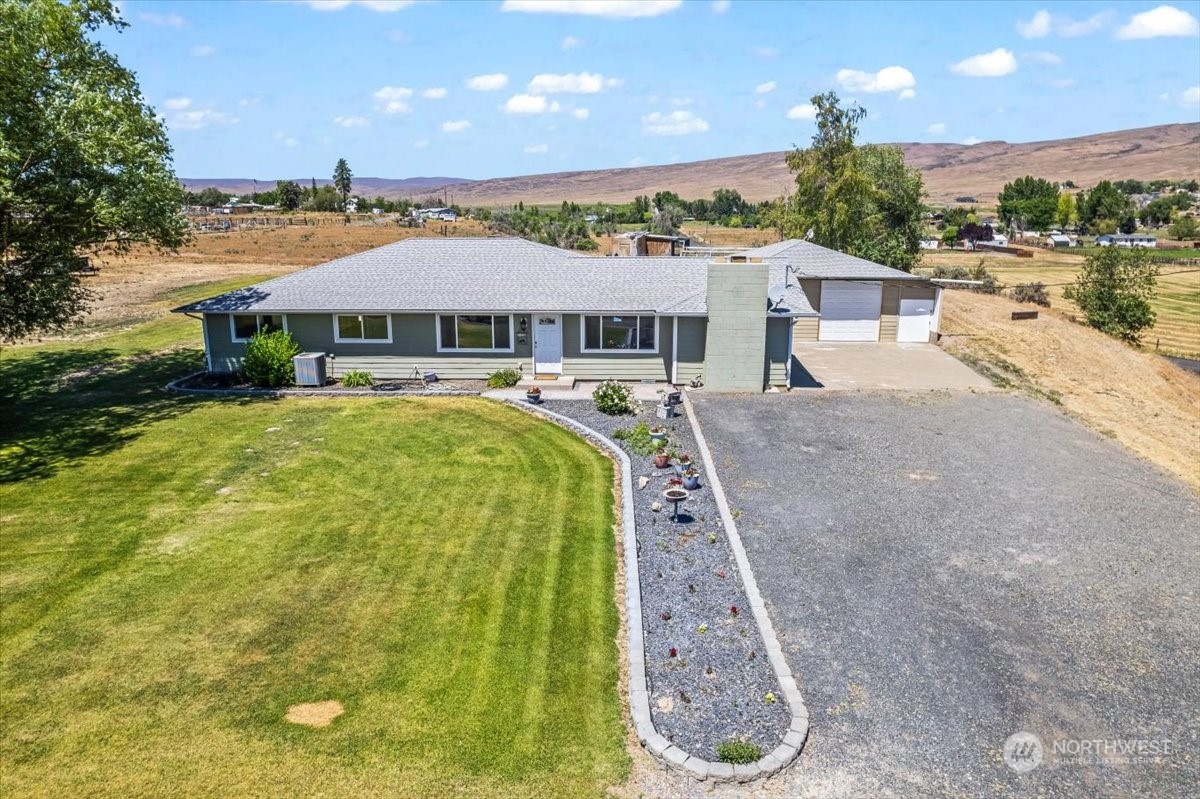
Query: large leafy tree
85, 165
1114, 291
1028, 203
343, 179
862, 200
289, 194
1104, 204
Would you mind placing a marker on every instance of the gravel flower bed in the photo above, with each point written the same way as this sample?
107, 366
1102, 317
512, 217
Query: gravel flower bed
708, 674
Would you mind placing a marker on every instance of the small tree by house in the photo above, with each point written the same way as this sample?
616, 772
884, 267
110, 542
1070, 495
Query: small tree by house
1185, 228
1114, 291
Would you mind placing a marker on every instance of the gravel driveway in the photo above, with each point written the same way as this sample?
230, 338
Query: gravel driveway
944, 571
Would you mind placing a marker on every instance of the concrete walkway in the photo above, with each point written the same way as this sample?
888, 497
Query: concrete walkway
866, 366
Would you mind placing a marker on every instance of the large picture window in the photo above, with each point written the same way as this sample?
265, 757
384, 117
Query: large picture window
479, 332
244, 326
362, 327
620, 332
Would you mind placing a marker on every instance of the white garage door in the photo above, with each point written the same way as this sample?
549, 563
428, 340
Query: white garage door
915, 318
850, 310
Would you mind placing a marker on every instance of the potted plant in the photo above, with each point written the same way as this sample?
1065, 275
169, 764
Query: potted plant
683, 464
658, 434
662, 458
534, 394
691, 479
675, 481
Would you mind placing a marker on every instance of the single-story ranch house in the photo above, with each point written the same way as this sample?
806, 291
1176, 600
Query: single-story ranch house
466, 307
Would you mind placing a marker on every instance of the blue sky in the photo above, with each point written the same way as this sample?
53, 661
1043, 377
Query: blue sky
488, 89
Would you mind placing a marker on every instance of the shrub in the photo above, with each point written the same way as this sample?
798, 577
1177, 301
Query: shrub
988, 284
614, 399
268, 360
637, 437
1031, 292
737, 750
503, 378
1114, 291
357, 378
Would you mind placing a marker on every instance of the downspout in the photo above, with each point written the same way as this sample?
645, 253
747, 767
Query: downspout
204, 330
674, 350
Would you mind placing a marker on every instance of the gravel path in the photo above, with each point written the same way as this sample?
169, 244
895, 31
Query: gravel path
715, 686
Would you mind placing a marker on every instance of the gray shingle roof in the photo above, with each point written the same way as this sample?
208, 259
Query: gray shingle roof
497, 274
808, 260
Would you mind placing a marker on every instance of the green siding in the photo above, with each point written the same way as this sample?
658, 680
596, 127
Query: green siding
779, 350
627, 366
692, 330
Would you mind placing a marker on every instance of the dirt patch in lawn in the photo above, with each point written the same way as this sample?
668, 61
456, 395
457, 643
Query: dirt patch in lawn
1136, 397
315, 714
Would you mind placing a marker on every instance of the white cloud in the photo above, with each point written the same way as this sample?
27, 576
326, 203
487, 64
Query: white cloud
676, 123
421, 144
178, 103
681, 102
571, 42
373, 5
766, 52
995, 64
393, 100
581, 113
1190, 97
455, 126
352, 122
765, 88
1161, 21
202, 50
436, 93
937, 128
614, 9
805, 111
249, 102
488, 83
720, 6
888, 79
1043, 24
537, 149
971, 140
529, 104
163, 20
1043, 57
907, 94
1063, 83
581, 83
199, 118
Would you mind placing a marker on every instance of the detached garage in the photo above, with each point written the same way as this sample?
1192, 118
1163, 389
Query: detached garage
850, 310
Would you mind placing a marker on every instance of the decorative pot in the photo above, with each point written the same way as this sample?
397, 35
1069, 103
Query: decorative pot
662, 461
534, 398
691, 482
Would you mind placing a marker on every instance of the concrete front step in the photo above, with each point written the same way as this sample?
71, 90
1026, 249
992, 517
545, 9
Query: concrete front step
548, 382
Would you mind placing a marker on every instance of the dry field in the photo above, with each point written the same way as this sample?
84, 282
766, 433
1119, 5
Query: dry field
1144, 401
1177, 330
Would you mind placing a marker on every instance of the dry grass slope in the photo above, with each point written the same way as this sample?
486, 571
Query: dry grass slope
1140, 399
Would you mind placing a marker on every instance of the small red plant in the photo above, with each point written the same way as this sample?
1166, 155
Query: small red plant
721, 573
666, 615
673, 651
733, 610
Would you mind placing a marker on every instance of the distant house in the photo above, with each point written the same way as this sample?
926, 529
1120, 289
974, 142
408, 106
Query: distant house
929, 244
1123, 240
1055, 240
999, 240
643, 242
440, 214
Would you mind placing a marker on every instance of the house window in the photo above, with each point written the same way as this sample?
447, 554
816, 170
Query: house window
478, 332
244, 326
362, 327
620, 332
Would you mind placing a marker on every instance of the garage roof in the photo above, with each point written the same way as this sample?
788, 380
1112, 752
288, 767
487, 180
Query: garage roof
807, 260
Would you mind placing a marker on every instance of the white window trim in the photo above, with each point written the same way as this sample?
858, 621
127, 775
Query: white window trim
583, 335
512, 333
337, 339
258, 320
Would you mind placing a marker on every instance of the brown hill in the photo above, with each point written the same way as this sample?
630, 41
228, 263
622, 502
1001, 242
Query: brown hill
950, 170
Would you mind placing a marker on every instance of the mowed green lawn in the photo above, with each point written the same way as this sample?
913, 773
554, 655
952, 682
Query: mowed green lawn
176, 573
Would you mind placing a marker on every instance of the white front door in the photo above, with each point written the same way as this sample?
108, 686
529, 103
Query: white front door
547, 344
850, 310
915, 316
